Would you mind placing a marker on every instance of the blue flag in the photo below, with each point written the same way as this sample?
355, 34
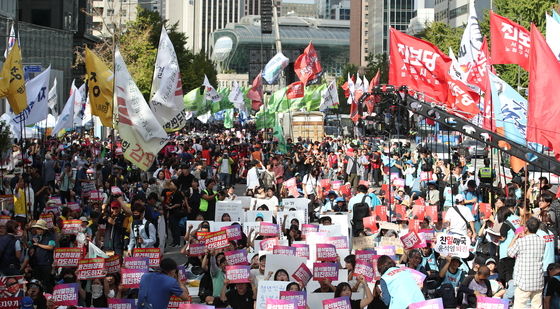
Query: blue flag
510, 110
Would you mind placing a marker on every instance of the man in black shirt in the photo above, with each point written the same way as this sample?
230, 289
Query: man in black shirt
185, 178
240, 297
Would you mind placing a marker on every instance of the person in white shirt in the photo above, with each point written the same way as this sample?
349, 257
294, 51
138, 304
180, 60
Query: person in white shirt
143, 234
455, 214
253, 175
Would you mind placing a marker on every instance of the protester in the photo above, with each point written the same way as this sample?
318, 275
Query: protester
156, 288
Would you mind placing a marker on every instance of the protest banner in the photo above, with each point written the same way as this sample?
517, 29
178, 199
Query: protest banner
391, 241
289, 263
399, 182
216, 240
233, 208
302, 250
302, 274
325, 184
269, 289
370, 224
73, 206
337, 303
195, 306
10, 302
426, 235
67, 257
268, 229
198, 249
71, 227
11, 286
237, 257
48, 218
299, 296
272, 303
131, 262
363, 242
326, 252
309, 228
284, 250
268, 244
376, 274
238, 273
400, 212
413, 225
252, 215
130, 278
452, 244
380, 213
340, 242
121, 303
182, 273
385, 250
418, 276
65, 294
483, 302
153, 254
325, 271
4, 219
418, 212
364, 268
296, 203
364, 254
96, 195
91, 268
345, 190
411, 240
176, 302
431, 213
435, 303
341, 220
233, 232
332, 229
485, 210
113, 264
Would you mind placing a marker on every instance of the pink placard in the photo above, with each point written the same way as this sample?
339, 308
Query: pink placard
364, 268
281, 303
65, 294
302, 250
10, 302
411, 240
325, 271
237, 257
326, 252
91, 269
131, 277
337, 303
268, 244
302, 274
491, 303
113, 264
435, 303
216, 240
340, 242
335, 185
238, 273
268, 229
121, 303
385, 250
299, 296
136, 263
195, 306
197, 249
233, 232
153, 254
418, 276
284, 250
364, 255
309, 228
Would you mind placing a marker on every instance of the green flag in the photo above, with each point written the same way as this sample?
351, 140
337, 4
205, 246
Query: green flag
277, 101
312, 97
224, 103
265, 119
228, 118
279, 134
193, 100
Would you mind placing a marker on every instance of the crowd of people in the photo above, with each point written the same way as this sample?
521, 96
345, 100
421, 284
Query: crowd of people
512, 226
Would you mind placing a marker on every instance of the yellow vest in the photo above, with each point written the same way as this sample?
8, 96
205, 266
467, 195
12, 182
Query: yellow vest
19, 203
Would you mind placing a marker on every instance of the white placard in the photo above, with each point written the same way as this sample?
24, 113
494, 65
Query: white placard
269, 289
297, 203
233, 208
245, 201
342, 220
251, 215
289, 263
452, 244
295, 214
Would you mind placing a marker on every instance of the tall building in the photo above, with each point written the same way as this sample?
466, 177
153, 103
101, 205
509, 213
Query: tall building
339, 11
300, 8
109, 15
456, 12
359, 25
424, 15
199, 18
251, 7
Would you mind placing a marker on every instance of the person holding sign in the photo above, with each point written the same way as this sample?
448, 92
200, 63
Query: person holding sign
344, 289
156, 288
41, 252
239, 296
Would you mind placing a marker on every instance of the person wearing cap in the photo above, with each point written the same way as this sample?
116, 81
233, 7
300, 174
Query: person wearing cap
184, 178
459, 217
114, 218
66, 183
451, 273
329, 204
41, 253
86, 229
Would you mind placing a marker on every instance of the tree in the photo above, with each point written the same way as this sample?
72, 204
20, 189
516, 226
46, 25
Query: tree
379, 62
442, 36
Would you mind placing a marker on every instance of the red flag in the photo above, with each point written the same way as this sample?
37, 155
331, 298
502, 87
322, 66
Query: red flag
511, 42
482, 80
372, 99
295, 90
255, 93
419, 65
461, 99
543, 112
307, 65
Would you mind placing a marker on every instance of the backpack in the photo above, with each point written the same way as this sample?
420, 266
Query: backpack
359, 212
447, 294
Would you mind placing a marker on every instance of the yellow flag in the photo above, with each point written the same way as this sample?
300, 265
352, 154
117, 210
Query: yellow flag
100, 85
12, 84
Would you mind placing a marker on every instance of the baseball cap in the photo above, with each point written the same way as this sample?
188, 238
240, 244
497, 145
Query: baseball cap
459, 198
490, 260
84, 219
27, 303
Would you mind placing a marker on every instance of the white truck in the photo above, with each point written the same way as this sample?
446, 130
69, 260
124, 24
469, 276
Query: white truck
307, 125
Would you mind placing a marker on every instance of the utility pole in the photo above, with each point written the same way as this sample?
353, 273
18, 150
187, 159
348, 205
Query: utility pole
275, 5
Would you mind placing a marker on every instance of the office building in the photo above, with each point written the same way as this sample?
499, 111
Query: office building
109, 15
456, 12
424, 16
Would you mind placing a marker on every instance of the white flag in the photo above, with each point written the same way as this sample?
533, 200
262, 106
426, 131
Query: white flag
211, 93
365, 86
53, 97
274, 67
236, 97
87, 112
37, 100
329, 97
11, 41
471, 44
359, 83
204, 117
79, 105
66, 117
143, 137
553, 35
351, 89
167, 89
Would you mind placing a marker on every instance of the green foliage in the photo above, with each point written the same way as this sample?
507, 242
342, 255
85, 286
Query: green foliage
379, 62
442, 36
525, 12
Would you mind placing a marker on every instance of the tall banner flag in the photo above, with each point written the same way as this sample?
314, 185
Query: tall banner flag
351, 87
236, 97
471, 44
12, 84
418, 64
100, 88
511, 42
256, 93
307, 65
37, 100
461, 99
167, 89
66, 117
543, 113
274, 67
80, 100
210, 92
228, 118
295, 90
552, 35
52, 99
372, 99
510, 110
11, 41
329, 97
143, 136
